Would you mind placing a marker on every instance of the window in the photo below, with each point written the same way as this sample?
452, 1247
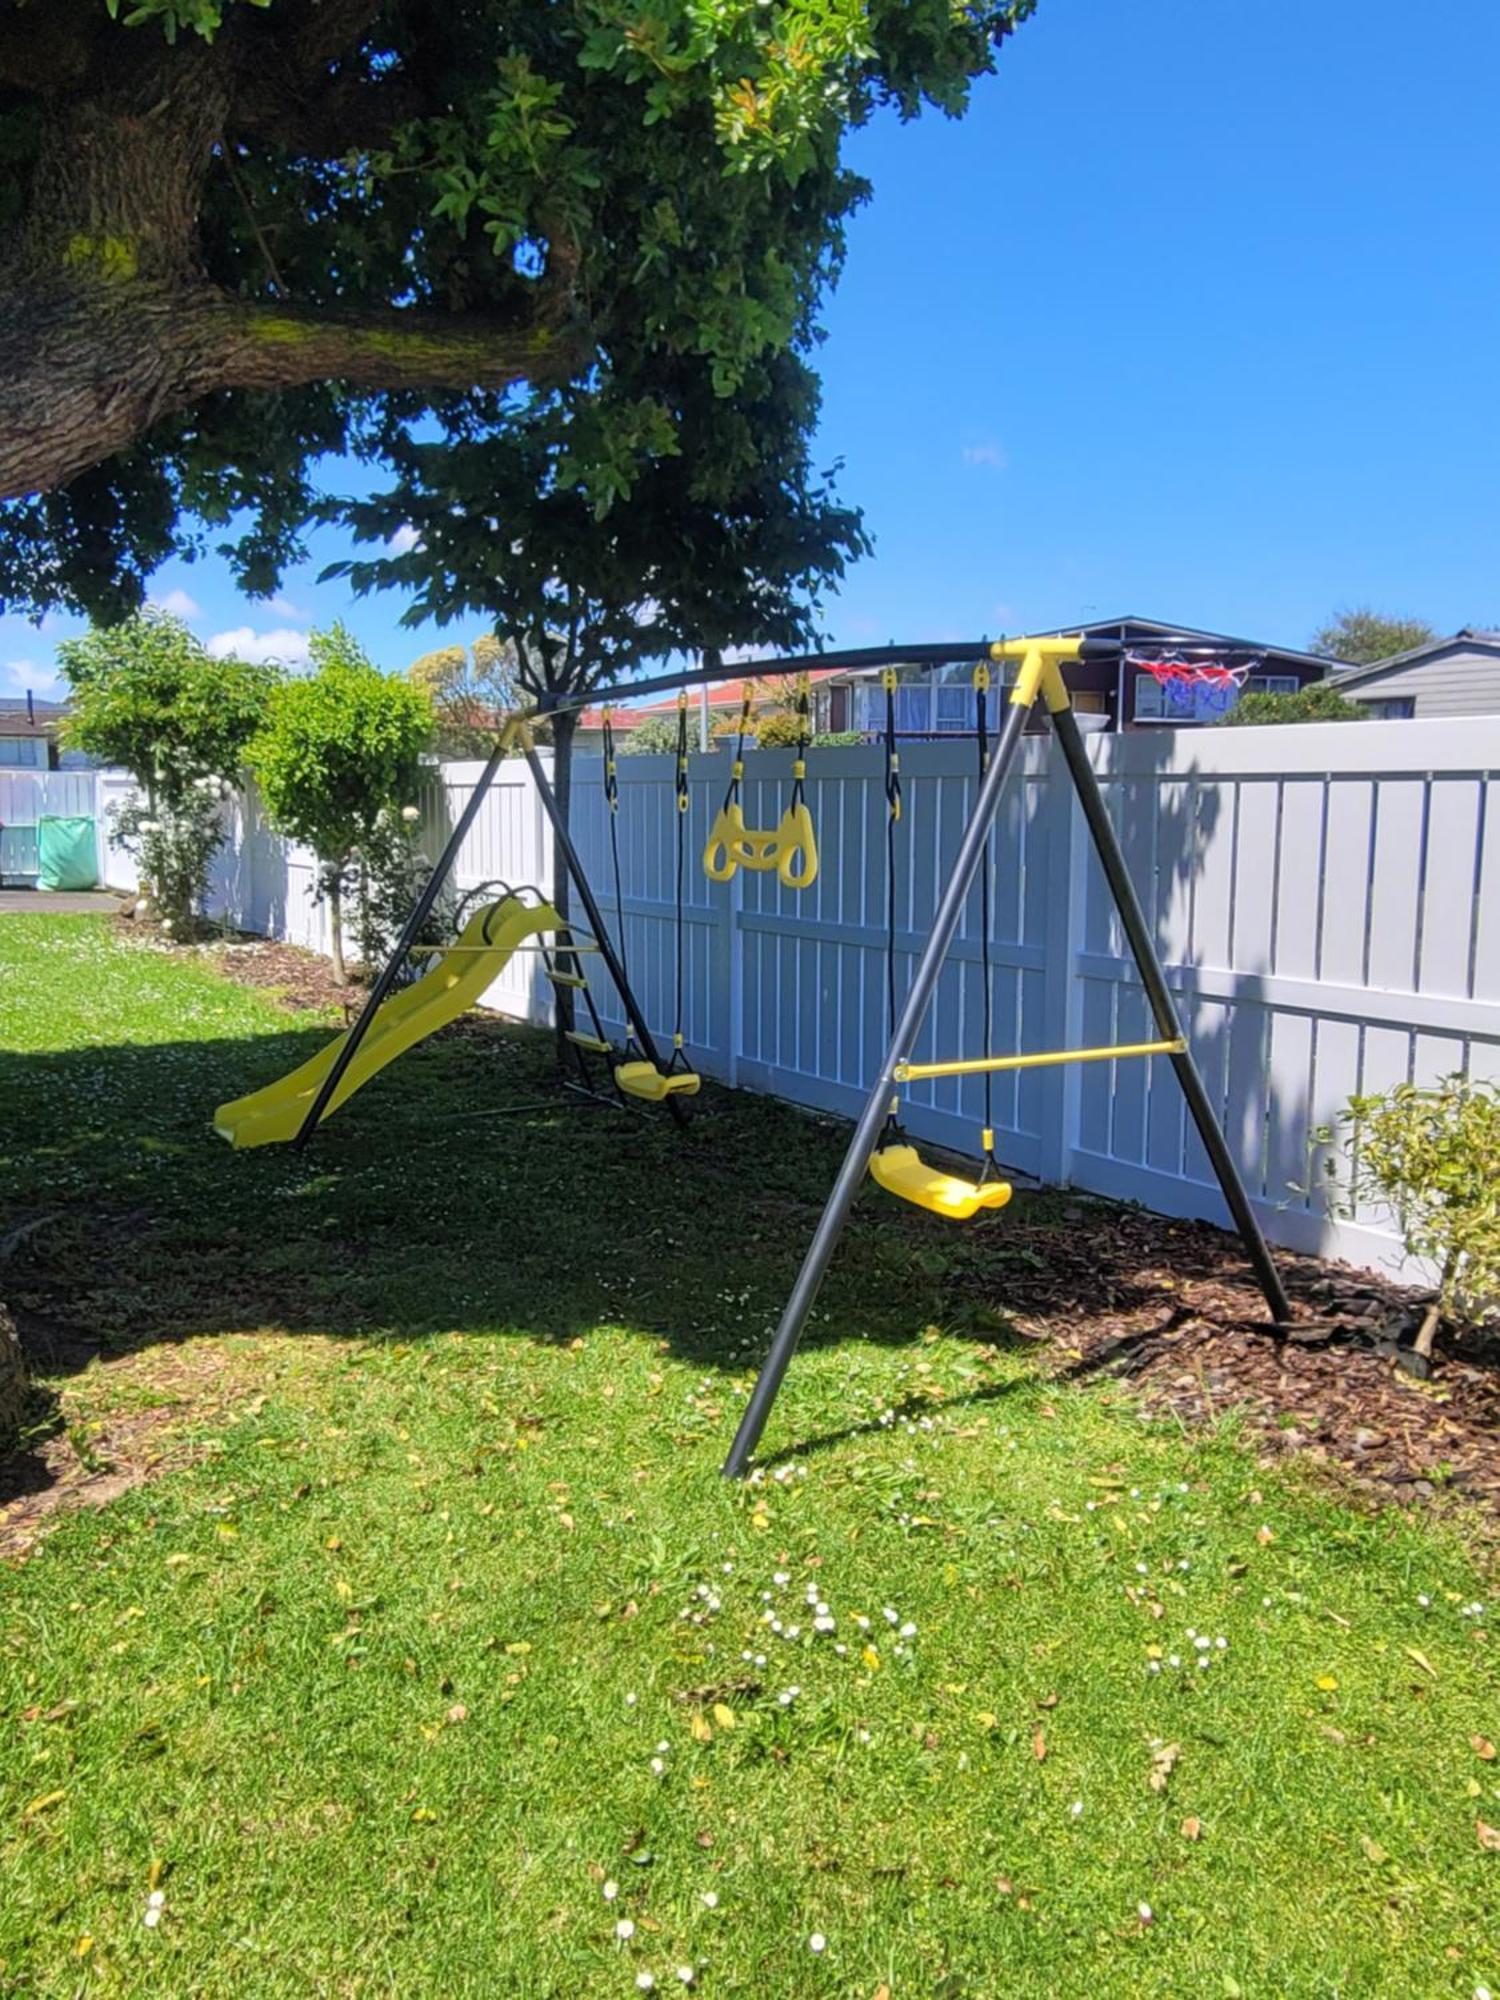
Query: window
956, 711
913, 709
1395, 708
1272, 684
27, 753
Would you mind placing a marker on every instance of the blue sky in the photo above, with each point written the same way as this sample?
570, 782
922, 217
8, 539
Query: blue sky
1196, 315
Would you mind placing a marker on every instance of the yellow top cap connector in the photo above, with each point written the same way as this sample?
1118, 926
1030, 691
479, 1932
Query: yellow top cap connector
1041, 668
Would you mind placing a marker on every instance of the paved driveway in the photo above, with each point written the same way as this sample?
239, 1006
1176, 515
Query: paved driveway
53, 901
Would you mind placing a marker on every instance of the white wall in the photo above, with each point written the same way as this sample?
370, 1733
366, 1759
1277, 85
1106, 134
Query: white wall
25, 796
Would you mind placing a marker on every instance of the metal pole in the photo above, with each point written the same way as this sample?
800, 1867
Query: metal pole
1164, 1010
595, 916
872, 1117
422, 909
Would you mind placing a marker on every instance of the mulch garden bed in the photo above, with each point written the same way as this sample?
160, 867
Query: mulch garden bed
298, 979
1332, 1393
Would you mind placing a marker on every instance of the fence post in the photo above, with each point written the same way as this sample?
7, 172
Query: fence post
1067, 888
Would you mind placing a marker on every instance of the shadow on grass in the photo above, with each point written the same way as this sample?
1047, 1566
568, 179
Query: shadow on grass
431, 1202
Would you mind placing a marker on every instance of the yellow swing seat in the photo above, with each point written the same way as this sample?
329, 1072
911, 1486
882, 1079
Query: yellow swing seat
644, 1079
902, 1171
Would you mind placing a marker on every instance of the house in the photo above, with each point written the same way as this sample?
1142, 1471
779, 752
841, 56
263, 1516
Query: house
710, 710
942, 703
1457, 676
28, 733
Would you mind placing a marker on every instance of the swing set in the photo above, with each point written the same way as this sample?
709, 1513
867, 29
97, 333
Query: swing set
879, 1146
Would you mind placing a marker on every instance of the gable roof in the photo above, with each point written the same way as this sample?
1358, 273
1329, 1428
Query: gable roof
722, 695
1138, 631
20, 717
1466, 640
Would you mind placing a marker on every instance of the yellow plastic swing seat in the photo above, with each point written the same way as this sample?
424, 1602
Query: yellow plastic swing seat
902, 1171
644, 1079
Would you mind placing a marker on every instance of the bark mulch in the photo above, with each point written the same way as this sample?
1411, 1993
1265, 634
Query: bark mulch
1188, 1328
300, 980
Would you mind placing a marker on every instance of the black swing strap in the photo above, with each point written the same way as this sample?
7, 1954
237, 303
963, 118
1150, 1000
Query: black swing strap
684, 800
888, 681
991, 1166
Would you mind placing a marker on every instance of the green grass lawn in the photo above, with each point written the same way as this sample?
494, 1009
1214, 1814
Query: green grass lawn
439, 1658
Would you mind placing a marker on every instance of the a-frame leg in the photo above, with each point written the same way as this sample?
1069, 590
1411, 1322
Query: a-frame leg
1038, 674
1164, 1009
867, 1131
432, 889
595, 915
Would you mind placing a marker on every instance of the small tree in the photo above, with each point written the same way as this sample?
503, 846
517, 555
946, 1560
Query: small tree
1319, 701
470, 688
336, 760
1362, 637
1427, 1157
147, 695
655, 737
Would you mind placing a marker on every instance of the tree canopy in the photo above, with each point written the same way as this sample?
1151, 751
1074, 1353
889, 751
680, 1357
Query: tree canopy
147, 694
336, 754
1362, 637
235, 237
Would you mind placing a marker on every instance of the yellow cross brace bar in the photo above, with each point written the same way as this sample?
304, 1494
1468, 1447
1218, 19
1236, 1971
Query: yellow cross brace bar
915, 1072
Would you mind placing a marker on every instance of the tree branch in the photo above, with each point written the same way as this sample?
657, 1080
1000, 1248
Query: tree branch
86, 371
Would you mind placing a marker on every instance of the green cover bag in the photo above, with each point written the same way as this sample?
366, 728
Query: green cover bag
67, 853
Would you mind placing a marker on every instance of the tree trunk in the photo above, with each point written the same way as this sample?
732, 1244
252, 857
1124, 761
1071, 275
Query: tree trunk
564, 727
336, 929
13, 1384
109, 320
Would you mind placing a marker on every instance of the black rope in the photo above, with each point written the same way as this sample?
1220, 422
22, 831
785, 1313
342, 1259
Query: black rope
684, 800
612, 799
892, 816
982, 736
799, 768
737, 767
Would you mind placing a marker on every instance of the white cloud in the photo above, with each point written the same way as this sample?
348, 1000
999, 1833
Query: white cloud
403, 541
23, 674
283, 646
284, 608
178, 603
988, 453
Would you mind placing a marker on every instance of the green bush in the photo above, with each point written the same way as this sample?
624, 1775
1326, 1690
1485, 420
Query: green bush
1319, 701
654, 737
146, 694
339, 752
1430, 1158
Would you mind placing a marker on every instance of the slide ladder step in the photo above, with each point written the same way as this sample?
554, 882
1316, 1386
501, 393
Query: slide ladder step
565, 978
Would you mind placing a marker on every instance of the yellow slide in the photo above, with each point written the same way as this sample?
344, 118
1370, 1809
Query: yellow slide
447, 989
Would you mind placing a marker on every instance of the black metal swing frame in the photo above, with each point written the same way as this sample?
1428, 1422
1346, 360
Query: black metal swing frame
1040, 678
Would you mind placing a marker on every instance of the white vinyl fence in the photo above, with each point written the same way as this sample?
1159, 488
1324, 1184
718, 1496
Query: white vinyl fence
1326, 901
27, 796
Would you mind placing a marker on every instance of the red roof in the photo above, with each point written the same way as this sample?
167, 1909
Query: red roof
721, 695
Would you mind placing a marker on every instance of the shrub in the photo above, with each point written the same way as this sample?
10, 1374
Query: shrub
1319, 701
148, 695
654, 737
382, 885
338, 750
1427, 1157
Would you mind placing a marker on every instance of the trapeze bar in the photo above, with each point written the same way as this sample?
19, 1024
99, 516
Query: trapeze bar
915, 1072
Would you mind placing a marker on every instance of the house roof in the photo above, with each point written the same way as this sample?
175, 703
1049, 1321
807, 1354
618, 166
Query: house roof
18, 717
722, 696
1135, 629
1470, 640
